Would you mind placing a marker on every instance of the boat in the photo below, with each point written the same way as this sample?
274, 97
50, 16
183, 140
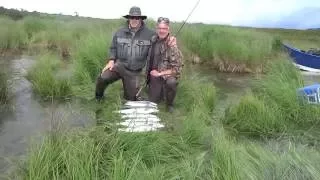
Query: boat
310, 93
304, 60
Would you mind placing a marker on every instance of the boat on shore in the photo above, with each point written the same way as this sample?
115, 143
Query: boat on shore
304, 60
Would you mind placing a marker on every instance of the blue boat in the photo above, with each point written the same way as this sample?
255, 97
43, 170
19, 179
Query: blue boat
304, 60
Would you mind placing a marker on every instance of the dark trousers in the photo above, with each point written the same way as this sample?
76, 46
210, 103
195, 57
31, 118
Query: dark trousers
130, 81
160, 89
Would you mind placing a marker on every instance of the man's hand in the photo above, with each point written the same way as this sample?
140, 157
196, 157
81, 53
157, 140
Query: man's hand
155, 73
109, 66
172, 41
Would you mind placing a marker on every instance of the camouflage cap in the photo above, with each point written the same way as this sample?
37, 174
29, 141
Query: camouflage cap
135, 12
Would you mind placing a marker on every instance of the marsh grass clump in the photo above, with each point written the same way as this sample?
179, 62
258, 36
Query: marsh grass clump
280, 86
12, 35
274, 107
33, 25
65, 156
255, 117
194, 92
91, 57
3, 88
56, 37
46, 80
292, 161
226, 44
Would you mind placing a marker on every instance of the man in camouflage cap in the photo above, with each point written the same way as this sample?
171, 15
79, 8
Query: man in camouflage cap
163, 66
127, 55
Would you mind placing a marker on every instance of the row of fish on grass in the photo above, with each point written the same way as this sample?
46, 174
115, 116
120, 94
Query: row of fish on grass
139, 116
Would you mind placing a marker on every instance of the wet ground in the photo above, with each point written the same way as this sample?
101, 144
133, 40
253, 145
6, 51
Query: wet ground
26, 117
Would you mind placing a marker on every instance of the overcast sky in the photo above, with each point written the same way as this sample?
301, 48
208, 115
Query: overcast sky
234, 12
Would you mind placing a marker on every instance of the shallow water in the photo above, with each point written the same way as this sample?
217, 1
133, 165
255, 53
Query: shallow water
24, 117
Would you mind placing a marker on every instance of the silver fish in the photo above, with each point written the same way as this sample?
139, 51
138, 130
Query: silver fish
150, 119
139, 129
140, 116
140, 104
143, 120
138, 111
141, 123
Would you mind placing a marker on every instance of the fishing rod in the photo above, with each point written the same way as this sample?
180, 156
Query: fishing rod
184, 22
176, 34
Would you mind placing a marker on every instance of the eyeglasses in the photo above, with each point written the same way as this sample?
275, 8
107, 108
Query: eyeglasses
163, 19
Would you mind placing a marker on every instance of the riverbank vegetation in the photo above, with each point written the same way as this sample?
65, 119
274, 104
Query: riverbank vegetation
193, 146
266, 134
273, 108
227, 48
3, 88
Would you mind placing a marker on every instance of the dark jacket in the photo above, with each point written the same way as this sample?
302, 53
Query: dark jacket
131, 49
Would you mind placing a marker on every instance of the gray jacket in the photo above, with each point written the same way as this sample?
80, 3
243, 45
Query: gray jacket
131, 49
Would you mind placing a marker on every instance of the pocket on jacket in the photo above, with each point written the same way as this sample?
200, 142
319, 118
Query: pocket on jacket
142, 47
123, 45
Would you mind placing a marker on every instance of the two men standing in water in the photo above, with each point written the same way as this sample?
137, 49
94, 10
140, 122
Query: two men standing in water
136, 47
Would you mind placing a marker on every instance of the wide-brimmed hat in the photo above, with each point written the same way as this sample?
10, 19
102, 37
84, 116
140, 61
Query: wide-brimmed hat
135, 12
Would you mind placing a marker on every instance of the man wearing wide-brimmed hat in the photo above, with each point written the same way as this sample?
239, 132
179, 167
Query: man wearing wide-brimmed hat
135, 12
127, 55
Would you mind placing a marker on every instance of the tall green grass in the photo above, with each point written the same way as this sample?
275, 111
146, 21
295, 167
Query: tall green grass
196, 148
33, 25
228, 48
214, 43
12, 35
108, 154
91, 56
274, 107
47, 78
3, 88
116, 155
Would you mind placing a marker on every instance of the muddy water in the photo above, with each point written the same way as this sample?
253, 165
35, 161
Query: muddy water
25, 118
229, 86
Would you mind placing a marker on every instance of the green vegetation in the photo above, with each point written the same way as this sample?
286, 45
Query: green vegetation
303, 39
258, 138
274, 108
48, 79
116, 155
196, 147
230, 49
227, 45
3, 88
90, 57
12, 35
227, 48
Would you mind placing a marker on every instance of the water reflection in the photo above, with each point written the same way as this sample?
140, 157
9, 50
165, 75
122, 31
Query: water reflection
27, 119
